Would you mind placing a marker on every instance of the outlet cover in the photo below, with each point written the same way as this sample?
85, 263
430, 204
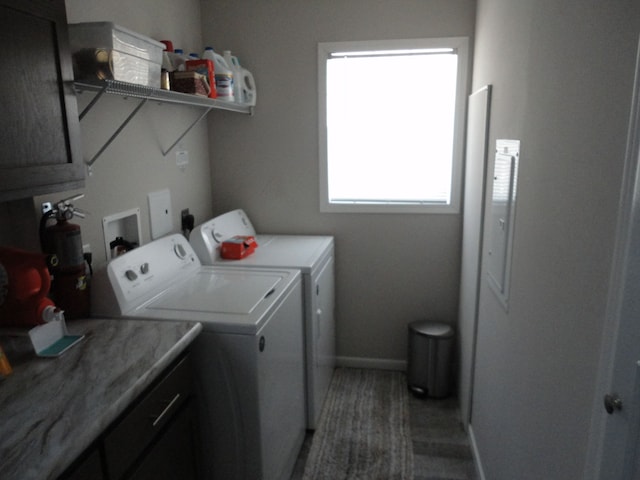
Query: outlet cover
160, 213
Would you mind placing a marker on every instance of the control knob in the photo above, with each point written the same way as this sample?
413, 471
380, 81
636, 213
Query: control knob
180, 251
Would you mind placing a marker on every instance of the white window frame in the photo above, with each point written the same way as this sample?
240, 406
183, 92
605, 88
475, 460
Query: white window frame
461, 47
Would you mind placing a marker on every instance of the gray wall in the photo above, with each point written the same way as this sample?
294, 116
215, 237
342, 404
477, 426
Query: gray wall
562, 74
390, 270
133, 165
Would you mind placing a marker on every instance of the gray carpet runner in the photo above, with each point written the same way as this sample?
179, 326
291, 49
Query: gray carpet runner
364, 429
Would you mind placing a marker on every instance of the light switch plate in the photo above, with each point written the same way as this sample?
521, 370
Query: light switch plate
160, 214
182, 158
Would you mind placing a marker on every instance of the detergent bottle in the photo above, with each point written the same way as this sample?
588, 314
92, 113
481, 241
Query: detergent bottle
234, 66
249, 93
223, 75
244, 85
178, 59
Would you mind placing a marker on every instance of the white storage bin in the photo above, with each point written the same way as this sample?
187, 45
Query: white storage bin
104, 50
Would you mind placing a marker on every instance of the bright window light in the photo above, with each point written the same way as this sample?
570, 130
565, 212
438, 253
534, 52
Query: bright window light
390, 118
406, 51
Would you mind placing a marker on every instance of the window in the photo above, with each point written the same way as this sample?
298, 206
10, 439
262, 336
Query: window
391, 125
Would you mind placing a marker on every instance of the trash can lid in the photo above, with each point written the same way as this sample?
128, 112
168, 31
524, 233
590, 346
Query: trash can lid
432, 329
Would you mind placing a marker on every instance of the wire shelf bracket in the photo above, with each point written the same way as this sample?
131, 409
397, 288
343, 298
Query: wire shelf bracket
144, 93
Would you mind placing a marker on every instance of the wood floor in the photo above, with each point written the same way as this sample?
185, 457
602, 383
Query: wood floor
440, 445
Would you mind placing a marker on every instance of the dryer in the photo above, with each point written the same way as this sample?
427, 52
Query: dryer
313, 255
249, 355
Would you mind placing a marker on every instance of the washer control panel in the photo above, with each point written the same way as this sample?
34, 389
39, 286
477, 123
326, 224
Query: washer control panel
151, 268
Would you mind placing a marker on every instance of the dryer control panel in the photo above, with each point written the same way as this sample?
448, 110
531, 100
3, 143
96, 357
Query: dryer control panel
207, 237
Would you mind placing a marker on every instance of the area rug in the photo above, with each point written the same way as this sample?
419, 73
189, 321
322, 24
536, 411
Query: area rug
363, 433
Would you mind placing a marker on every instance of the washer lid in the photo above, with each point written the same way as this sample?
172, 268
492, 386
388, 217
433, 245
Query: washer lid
217, 293
224, 300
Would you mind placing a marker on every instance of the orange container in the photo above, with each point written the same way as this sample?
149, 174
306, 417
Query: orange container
5, 366
238, 247
26, 282
204, 67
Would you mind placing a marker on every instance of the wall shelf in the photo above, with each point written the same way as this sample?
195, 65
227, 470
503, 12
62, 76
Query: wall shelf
144, 94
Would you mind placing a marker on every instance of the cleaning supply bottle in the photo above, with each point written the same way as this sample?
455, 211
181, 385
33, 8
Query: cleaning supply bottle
178, 59
244, 85
234, 65
223, 75
5, 366
249, 93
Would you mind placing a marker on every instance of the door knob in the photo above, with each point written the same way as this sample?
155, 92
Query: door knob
612, 402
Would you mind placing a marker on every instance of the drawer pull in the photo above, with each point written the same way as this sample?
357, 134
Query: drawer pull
167, 408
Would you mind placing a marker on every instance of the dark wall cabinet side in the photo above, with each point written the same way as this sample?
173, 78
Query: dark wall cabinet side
39, 127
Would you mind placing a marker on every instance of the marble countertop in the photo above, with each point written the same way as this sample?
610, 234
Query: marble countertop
51, 409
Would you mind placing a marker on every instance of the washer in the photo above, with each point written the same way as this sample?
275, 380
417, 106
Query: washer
313, 255
249, 356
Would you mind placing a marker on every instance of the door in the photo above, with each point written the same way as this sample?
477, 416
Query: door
616, 422
472, 226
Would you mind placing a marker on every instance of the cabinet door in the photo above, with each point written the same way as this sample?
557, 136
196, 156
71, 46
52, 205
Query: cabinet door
144, 423
39, 126
90, 468
174, 455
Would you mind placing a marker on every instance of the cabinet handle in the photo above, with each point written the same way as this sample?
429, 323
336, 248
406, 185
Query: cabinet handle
167, 408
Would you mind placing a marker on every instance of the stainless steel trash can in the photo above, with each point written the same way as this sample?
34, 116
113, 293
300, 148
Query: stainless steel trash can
429, 369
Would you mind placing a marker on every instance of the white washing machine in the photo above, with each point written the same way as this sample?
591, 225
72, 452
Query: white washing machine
313, 255
249, 356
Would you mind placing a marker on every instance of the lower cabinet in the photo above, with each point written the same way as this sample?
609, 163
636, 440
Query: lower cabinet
88, 467
181, 454
155, 438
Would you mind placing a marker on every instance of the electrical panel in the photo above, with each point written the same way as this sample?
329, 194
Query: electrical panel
501, 217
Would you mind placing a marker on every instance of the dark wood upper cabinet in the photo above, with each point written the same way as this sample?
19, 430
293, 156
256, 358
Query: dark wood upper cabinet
39, 128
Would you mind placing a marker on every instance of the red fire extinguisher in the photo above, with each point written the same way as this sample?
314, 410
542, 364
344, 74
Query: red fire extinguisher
70, 284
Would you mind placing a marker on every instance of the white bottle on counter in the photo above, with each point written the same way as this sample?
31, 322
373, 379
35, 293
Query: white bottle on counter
223, 74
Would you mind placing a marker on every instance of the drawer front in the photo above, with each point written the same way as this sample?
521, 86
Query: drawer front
139, 427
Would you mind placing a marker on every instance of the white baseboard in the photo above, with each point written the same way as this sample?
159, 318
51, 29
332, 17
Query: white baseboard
476, 454
372, 363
